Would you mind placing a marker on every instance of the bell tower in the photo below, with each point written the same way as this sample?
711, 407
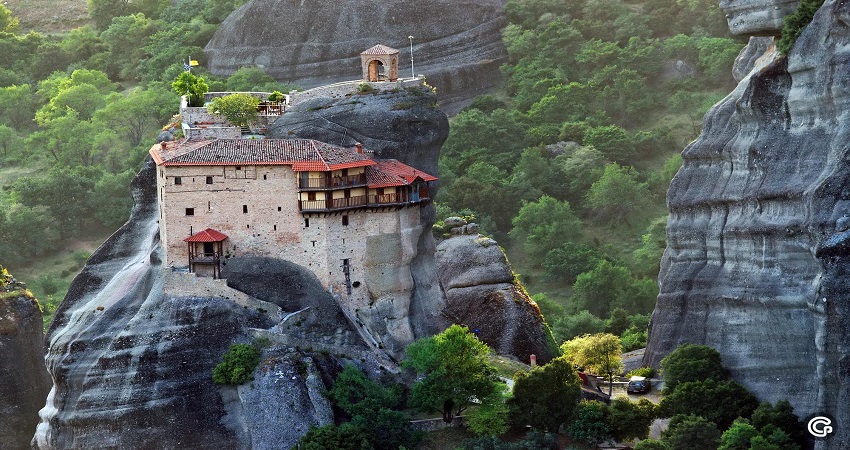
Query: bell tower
379, 63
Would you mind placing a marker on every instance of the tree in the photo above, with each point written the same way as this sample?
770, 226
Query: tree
239, 109
617, 194
456, 369
618, 322
651, 444
344, 437
613, 141
247, 79
83, 99
17, 106
491, 416
597, 353
738, 436
647, 257
718, 401
580, 323
543, 225
8, 24
141, 112
125, 38
630, 420
590, 423
8, 139
580, 169
605, 287
690, 432
569, 260
192, 86
544, 398
692, 362
355, 394
782, 417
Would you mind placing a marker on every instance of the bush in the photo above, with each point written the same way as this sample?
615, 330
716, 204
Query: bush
365, 87
647, 372
691, 362
718, 401
794, 24
236, 365
590, 425
691, 433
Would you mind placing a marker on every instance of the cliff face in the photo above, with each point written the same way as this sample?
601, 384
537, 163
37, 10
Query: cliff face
457, 44
25, 380
757, 260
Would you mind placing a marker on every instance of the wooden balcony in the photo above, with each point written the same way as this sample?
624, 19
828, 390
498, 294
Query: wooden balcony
204, 258
338, 182
332, 205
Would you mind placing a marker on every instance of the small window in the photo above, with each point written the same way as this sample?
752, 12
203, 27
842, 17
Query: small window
314, 243
244, 209
190, 211
278, 208
264, 177
209, 180
275, 228
248, 226
238, 167
178, 181
306, 222
345, 221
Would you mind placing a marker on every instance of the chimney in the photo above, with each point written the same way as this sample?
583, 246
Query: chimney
359, 147
533, 360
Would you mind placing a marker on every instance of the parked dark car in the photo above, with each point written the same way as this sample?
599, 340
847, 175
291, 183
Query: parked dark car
639, 385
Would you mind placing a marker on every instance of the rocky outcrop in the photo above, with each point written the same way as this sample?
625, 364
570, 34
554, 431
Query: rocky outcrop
404, 125
457, 44
756, 263
482, 294
131, 363
25, 381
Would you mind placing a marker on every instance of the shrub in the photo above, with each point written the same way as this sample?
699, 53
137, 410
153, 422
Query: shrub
276, 96
691, 433
691, 362
236, 365
794, 24
365, 87
590, 425
648, 372
239, 109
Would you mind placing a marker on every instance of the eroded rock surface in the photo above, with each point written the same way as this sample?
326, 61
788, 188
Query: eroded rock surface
756, 264
481, 294
457, 44
25, 381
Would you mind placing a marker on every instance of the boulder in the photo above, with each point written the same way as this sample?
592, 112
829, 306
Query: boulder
482, 294
457, 45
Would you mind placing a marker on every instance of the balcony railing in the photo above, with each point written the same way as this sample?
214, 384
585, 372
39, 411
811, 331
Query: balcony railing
330, 205
332, 182
210, 258
360, 201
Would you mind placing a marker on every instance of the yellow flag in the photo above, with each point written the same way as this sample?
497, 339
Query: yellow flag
193, 62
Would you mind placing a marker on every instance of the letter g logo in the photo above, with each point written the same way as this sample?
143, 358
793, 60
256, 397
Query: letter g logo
821, 426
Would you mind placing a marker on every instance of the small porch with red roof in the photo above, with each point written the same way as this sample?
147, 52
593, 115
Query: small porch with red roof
205, 250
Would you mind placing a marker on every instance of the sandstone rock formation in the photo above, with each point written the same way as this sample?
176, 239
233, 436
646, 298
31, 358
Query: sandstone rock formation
756, 263
457, 44
481, 293
25, 381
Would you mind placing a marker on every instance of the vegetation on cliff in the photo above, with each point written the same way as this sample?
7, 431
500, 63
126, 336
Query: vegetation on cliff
600, 98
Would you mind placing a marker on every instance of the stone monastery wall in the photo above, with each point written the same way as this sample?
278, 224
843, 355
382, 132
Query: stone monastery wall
257, 208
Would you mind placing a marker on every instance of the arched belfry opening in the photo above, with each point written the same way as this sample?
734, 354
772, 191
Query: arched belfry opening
379, 63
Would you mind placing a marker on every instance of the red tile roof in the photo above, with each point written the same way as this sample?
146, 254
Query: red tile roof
380, 50
301, 154
391, 172
208, 235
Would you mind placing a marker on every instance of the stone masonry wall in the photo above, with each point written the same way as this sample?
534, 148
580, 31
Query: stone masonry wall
257, 208
340, 90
